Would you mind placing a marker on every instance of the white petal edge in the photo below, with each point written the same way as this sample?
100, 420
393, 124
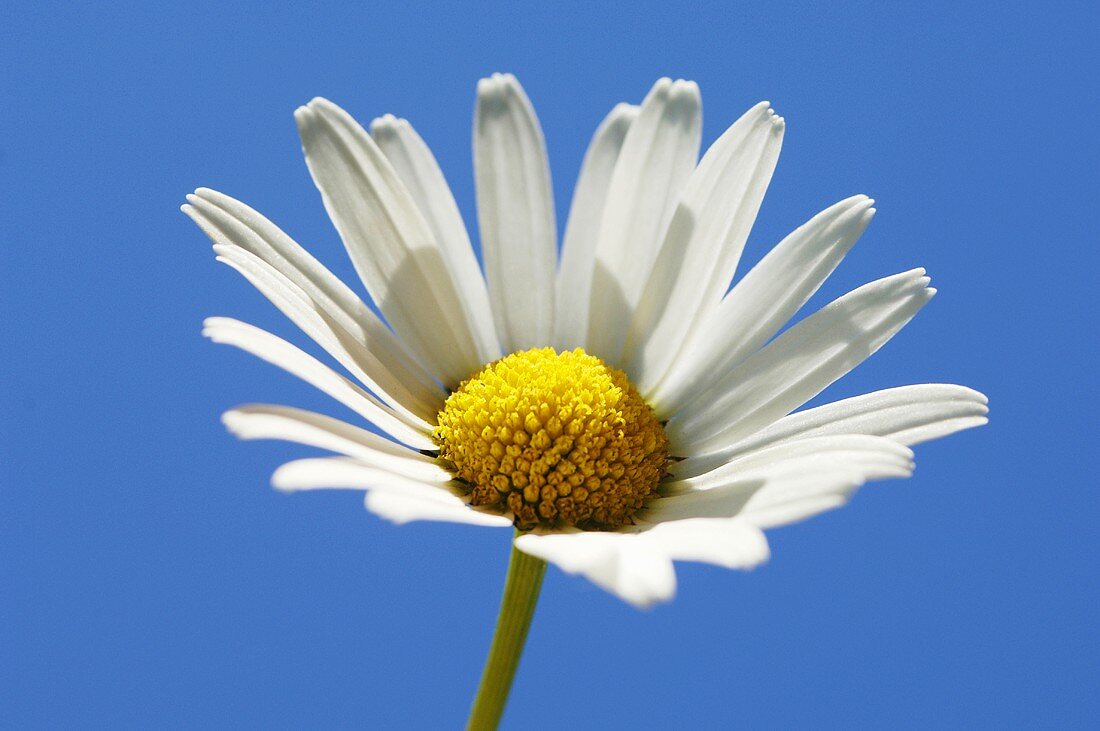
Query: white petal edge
280, 353
578, 251
703, 243
731, 543
391, 245
908, 415
625, 564
789, 482
415, 164
798, 491
228, 222
268, 421
798, 364
343, 346
763, 301
658, 155
515, 208
348, 473
402, 509
389, 495
874, 458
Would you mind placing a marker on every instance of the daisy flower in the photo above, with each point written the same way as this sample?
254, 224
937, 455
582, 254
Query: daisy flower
618, 404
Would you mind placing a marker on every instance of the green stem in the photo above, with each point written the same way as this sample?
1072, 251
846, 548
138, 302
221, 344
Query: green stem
517, 607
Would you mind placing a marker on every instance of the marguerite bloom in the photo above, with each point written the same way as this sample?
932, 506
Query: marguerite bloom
616, 404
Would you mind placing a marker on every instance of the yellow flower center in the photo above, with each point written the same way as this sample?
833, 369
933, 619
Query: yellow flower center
555, 438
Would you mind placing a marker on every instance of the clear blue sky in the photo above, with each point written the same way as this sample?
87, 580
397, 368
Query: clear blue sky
150, 577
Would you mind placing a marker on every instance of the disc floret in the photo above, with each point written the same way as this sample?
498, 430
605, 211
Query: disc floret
557, 439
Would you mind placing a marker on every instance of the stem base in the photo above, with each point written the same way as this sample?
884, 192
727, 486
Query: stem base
517, 607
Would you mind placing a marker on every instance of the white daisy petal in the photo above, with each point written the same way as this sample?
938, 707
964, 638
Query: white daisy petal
402, 509
760, 485
389, 495
338, 342
266, 421
703, 244
875, 458
657, 158
799, 364
391, 245
229, 222
346, 473
578, 251
625, 564
279, 352
414, 163
908, 415
811, 489
515, 209
764, 300
795, 510
752, 496
732, 543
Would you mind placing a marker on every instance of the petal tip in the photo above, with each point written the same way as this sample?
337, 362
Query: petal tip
386, 126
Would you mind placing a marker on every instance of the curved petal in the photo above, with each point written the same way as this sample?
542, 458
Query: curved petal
875, 458
338, 342
798, 478
414, 163
402, 509
783, 512
282, 354
797, 485
624, 564
266, 421
391, 245
578, 250
515, 208
346, 473
732, 543
656, 160
703, 243
907, 414
389, 495
229, 222
799, 364
764, 300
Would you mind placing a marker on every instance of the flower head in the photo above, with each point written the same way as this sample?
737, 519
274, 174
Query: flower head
619, 404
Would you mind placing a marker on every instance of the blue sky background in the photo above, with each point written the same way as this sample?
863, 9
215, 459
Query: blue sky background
150, 577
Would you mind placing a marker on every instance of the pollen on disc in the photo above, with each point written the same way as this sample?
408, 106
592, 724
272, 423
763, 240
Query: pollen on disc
554, 438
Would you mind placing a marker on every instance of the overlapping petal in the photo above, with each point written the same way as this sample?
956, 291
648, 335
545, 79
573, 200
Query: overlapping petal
412, 399
279, 352
656, 160
703, 243
798, 364
763, 301
267, 421
637, 565
390, 495
625, 564
578, 250
414, 163
392, 246
732, 543
907, 414
873, 457
785, 483
261, 251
